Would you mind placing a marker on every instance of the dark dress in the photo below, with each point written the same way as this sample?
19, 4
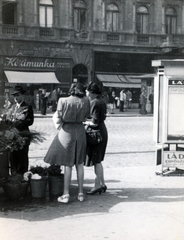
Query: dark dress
96, 153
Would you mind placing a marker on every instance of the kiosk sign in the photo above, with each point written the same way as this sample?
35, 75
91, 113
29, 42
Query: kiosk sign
173, 159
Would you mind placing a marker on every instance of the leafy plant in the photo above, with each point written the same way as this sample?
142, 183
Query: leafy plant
54, 170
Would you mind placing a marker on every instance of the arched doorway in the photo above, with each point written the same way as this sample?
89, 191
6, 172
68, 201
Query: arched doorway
80, 74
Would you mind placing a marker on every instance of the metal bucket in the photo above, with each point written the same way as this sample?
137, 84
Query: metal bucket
56, 184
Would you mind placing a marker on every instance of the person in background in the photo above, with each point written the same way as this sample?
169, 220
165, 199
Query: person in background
129, 99
151, 99
69, 146
54, 100
96, 153
43, 103
143, 102
122, 99
112, 101
21, 118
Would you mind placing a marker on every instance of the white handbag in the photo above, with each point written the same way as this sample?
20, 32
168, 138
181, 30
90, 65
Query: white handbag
57, 121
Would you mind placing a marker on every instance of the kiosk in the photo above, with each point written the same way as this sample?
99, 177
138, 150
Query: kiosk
169, 115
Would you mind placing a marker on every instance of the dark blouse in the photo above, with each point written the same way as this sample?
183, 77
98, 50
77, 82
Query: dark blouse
98, 110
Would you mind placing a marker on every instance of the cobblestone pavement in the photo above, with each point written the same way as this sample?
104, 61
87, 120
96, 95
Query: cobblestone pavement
129, 137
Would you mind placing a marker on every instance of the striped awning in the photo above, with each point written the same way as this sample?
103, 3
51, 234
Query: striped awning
120, 81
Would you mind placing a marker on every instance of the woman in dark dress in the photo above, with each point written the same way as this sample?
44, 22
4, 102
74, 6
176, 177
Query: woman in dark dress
96, 153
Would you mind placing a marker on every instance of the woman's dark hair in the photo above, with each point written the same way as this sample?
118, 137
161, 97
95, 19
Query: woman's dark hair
94, 88
77, 89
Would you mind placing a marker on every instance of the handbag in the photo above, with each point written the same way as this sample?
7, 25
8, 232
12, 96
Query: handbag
93, 136
57, 121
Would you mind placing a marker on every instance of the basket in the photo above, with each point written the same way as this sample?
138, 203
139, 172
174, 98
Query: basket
38, 187
15, 191
56, 185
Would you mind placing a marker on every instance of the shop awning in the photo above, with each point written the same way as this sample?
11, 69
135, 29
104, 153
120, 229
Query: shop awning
121, 81
31, 77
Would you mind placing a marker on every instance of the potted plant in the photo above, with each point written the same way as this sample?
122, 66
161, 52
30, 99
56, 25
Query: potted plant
38, 181
56, 180
15, 186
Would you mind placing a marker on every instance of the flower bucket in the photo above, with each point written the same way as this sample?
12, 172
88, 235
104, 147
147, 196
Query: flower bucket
4, 164
38, 187
56, 185
16, 191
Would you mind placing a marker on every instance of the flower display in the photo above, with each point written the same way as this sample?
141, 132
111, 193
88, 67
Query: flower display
13, 140
38, 172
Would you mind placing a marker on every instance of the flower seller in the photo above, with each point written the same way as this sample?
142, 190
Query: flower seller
21, 117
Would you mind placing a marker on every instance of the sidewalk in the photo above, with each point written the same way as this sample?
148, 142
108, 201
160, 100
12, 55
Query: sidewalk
117, 113
137, 205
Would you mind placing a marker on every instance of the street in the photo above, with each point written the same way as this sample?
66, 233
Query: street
130, 141
138, 204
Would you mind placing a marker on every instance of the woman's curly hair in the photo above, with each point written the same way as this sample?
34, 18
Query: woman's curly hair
77, 89
94, 88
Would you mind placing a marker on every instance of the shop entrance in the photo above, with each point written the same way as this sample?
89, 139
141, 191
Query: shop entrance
80, 74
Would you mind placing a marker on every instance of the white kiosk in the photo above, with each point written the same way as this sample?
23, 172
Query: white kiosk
169, 115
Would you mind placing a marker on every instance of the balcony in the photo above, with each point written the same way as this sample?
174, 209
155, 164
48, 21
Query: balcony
93, 37
9, 29
46, 32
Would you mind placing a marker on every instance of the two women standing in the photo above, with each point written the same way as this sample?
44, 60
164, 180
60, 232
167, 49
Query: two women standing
69, 146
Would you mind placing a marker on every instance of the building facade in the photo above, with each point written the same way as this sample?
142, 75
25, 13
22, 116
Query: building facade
56, 42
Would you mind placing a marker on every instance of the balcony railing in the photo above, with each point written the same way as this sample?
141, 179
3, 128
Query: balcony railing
9, 29
96, 37
46, 32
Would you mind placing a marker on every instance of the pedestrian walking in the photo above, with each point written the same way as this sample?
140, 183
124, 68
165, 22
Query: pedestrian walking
21, 118
43, 103
69, 146
151, 99
122, 99
112, 101
96, 153
54, 99
143, 102
128, 99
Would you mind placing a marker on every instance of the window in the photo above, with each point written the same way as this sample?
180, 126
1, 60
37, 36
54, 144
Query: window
112, 17
80, 10
9, 12
142, 20
171, 17
46, 13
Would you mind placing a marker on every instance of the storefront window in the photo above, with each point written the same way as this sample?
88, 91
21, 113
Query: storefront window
142, 20
80, 10
9, 12
171, 18
112, 17
46, 13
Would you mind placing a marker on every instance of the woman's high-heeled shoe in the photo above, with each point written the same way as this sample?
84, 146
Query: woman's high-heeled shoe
92, 192
64, 198
80, 197
104, 188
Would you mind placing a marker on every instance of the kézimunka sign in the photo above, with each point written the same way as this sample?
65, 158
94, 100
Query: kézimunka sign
30, 63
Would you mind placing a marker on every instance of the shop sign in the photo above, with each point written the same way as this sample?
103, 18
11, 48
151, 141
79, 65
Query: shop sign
173, 159
176, 82
36, 63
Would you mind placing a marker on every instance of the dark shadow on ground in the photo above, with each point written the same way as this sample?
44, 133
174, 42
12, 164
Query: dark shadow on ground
47, 209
